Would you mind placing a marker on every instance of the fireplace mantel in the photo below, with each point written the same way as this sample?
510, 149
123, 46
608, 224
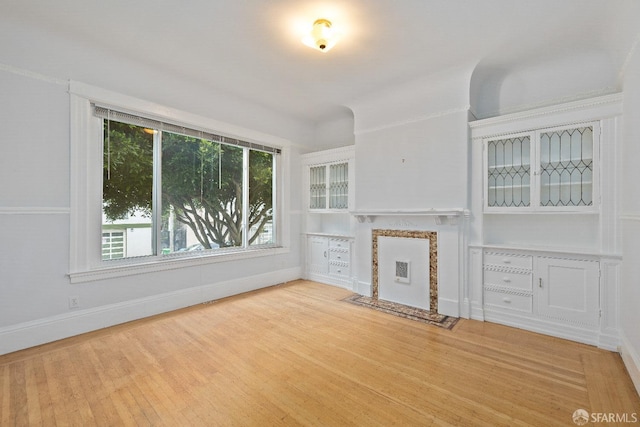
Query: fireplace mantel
442, 216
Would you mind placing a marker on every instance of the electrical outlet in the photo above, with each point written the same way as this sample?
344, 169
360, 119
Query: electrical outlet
74, 301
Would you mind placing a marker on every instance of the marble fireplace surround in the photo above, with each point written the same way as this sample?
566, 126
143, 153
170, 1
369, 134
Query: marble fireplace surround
432, 236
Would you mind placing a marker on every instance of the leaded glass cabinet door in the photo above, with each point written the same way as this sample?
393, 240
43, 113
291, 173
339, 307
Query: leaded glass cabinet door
508, 173
339, 186
567, 167
318, 187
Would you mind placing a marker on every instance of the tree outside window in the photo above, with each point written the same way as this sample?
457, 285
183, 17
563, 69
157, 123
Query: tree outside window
198, 188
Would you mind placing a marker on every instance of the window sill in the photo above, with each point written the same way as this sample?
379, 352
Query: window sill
145, 265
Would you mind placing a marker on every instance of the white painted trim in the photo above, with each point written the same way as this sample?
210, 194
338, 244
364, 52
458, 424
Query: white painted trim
364, 288
631, 359
29, 334
328, 156
557, 252
560, 330
449, 307
135, 266
551, 102
152, 110
34, 210
31, 74
586, 110
630, 216
415, 119
442, 216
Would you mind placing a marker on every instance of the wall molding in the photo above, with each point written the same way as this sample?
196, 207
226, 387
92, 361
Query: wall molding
580, 111
414, 119
42, 331
34, 210
31, 74
630, 216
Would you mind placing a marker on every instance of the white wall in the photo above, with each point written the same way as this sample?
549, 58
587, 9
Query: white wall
35, 230
630, 275
412, 145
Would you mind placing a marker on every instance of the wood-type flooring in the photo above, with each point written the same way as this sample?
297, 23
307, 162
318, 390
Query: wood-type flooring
295, 354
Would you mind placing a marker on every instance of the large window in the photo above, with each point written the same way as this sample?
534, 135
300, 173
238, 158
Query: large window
185, 190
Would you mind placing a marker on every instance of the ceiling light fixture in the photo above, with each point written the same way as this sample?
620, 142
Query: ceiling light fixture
322, 36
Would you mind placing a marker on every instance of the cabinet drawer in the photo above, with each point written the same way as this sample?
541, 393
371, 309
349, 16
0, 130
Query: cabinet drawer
508, 260
508, 301
338, 270
339, 244
338, 256
510, 279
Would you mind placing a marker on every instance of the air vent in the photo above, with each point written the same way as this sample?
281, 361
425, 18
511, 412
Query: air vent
402, 272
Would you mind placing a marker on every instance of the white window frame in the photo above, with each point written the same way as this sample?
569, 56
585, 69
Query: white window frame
86, 158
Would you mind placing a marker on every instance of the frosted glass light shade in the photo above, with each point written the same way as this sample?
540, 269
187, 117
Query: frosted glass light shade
322, 36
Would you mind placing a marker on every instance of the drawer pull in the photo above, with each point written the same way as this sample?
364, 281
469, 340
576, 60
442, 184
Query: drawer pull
507, 300
506, 279
506, 260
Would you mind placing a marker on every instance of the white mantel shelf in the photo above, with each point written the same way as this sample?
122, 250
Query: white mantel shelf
442, 216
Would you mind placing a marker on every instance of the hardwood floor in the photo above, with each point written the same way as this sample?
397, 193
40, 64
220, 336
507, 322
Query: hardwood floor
295, 354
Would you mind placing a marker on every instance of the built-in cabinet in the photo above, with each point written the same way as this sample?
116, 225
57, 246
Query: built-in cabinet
544, 244
532, 289
328, 224
543, 169
329, 259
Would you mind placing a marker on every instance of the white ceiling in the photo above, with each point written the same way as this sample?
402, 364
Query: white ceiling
252, 48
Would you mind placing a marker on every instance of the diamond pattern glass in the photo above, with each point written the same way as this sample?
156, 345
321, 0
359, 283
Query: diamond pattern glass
566, 167
509, 172
317, 187
339, 186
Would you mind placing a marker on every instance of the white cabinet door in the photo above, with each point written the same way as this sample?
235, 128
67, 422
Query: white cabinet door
318, 255
568, 290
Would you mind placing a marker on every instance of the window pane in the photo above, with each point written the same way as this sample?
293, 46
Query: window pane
260, 198
127, 191
201, 194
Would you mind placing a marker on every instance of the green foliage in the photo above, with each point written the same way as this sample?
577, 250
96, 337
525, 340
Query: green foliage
127, 171
201, 182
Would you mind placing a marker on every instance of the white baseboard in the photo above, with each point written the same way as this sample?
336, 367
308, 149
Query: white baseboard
364, 288
449, 307
477, 311
631, 360
42, 331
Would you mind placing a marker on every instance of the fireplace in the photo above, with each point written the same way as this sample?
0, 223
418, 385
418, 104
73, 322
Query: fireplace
405, 267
